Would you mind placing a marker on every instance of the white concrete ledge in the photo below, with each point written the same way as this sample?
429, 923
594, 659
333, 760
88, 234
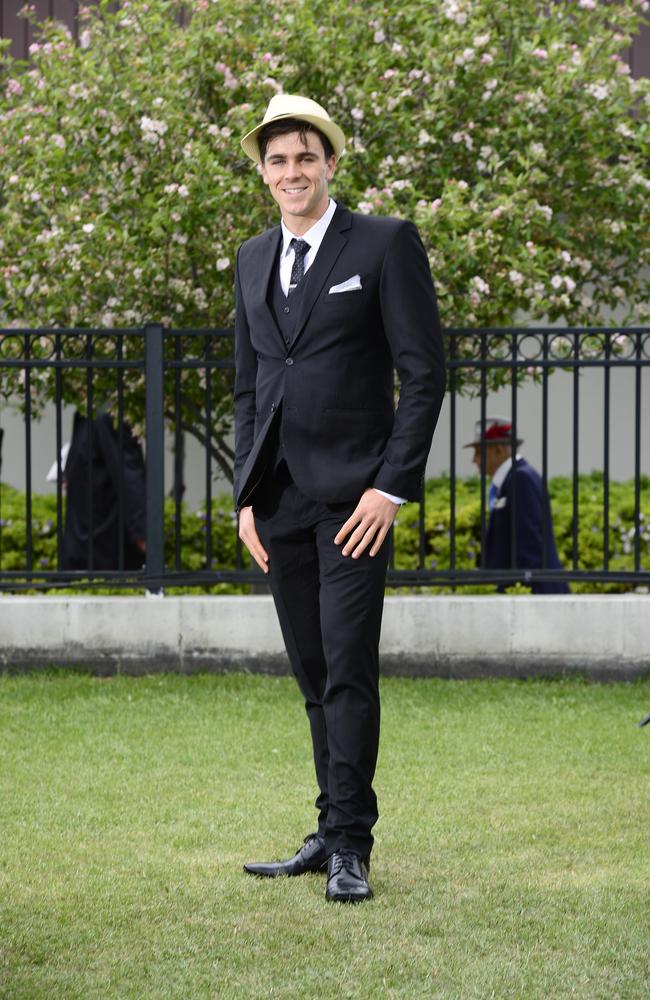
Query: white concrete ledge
605, 636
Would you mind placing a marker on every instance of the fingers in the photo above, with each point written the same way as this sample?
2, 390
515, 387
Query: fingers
368, 525
250, 538
346, 528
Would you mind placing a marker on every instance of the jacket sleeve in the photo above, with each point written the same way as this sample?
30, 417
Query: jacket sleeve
412, 327
245, 383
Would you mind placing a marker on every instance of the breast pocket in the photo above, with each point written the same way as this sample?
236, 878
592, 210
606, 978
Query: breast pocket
334, 298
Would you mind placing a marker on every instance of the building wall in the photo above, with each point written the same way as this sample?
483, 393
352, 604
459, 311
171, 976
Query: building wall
590, 434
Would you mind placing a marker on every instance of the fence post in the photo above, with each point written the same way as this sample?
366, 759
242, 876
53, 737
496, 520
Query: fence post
155, 442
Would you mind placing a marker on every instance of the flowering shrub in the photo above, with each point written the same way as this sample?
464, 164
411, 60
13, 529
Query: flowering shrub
514, 136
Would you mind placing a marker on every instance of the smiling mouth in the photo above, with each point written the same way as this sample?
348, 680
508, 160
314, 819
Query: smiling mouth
294, 190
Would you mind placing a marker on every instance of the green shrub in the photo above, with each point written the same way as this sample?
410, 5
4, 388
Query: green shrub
406, 543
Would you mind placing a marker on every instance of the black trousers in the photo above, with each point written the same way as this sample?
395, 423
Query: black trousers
330, 609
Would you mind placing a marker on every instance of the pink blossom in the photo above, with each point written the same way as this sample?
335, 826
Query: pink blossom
379, 37
540, 53
223, 263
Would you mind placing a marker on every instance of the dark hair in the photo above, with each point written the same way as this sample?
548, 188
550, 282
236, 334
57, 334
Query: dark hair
284, 127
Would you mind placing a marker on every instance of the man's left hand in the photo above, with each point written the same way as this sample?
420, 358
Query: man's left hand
368, 524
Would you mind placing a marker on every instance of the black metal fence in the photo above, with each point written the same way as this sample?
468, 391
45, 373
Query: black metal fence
169, 382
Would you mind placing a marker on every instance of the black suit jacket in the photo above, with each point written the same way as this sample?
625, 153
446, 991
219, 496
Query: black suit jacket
333, 387
95, 471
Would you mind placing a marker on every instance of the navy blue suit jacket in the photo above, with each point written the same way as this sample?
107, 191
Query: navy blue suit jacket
531, 506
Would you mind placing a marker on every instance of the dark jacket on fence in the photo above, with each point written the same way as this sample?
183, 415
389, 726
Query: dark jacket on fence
532, 508
96, 473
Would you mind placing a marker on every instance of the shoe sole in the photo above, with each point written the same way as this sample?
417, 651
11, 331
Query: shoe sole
348, 898
307, 871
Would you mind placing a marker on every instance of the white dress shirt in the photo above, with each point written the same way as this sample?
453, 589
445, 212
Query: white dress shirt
313, 236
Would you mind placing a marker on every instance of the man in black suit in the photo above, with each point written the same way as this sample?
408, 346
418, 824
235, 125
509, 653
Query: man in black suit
100, 469
328, 304
526, 501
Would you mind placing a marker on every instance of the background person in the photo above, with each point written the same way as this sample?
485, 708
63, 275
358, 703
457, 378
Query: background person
96, 469
531, 506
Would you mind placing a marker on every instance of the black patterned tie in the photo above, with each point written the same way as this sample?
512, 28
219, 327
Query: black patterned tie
300, 249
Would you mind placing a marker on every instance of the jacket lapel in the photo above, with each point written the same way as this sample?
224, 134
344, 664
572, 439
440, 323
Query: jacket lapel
333, 242
260, 277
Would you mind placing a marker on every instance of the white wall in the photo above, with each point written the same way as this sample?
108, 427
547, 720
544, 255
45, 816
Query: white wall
529, 403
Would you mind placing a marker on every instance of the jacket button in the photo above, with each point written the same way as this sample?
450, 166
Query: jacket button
289, 361
286, 309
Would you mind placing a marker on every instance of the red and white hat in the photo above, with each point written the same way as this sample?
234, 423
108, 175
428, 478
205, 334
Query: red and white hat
495, 430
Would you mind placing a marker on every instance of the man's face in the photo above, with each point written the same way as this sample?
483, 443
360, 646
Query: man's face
495, 455
297, 174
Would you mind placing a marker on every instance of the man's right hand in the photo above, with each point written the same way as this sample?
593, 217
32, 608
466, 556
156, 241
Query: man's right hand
250, 538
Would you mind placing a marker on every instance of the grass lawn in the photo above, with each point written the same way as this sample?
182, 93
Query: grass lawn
511, 858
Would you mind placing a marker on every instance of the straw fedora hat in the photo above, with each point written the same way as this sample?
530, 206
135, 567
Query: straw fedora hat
292, 106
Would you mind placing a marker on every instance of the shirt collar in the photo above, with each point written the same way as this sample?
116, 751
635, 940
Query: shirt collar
314, 235
503, 470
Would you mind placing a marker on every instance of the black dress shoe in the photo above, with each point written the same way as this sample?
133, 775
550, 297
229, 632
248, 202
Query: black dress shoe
347, 878
310, 858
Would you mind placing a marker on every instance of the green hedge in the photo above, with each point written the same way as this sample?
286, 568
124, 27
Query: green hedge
590, 530
590, 527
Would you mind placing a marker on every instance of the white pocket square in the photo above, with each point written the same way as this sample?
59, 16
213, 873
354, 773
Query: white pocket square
353, 284
500, 503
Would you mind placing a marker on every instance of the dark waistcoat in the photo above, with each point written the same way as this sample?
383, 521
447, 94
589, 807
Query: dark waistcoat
285, 310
